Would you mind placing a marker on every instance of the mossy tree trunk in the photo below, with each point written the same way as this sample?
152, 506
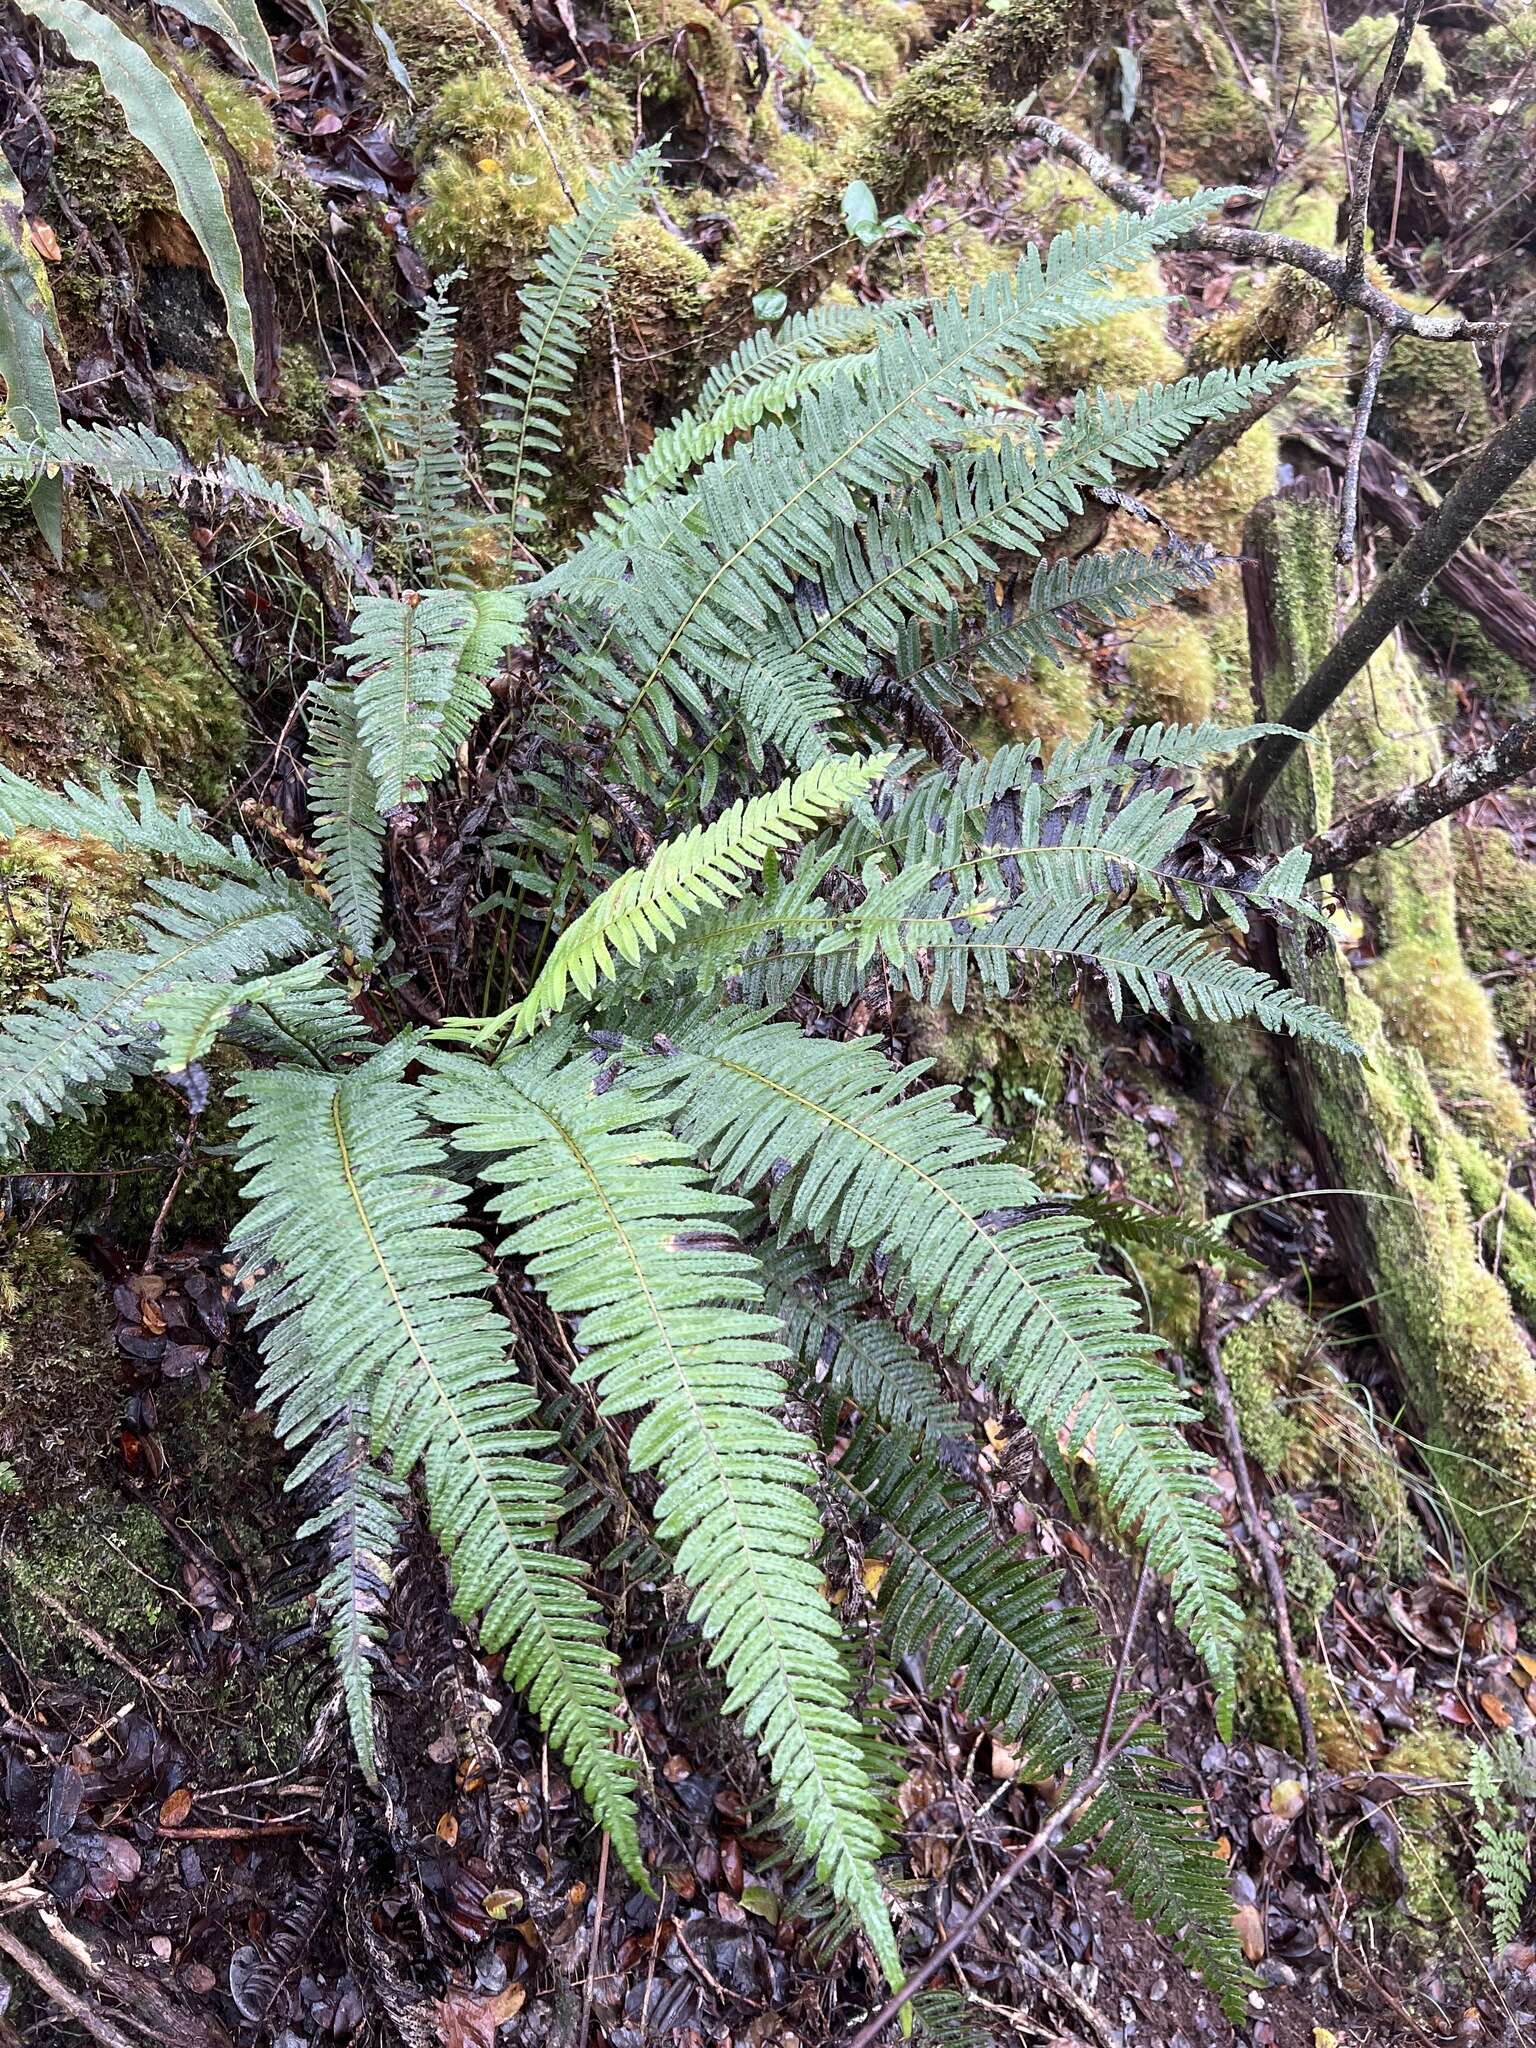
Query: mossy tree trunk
1374, 1124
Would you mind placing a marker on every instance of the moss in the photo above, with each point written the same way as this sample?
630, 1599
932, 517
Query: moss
1424, 83
126, 1151
1310, 1581
1172, 670
1212, 507
1505, 1221
59, 1384
1426, 1889
1261, 1358
690, 75
1013, 1059
873, 38
1501, 684
1430, 403
107, 1563
1278, 321
435, 41
57, 895
1496, 912
112, 181
1048, 701
490, 191
1464, 1366
1209, 126
1123, 352
1431, 1002
246, 123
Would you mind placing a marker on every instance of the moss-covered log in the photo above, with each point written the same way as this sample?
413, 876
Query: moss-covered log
1375, 1124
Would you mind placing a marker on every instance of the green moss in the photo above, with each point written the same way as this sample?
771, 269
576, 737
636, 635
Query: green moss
1432, 1003
1501, 684
1210, 128
57, 896
1425, 1891
1505, 1221
1496, 911
1430, 403
1212, 507
245, 120
1172, 669
112, 180
491, 191
126, 1151
1012, 1059
1262, 1358
435, 41
1049, 701
107, 1565
874, 38
1463, 1364
59, 1385
690, 73
1424, 83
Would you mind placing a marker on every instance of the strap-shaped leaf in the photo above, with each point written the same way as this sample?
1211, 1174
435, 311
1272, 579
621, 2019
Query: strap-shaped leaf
28, 324
157, 117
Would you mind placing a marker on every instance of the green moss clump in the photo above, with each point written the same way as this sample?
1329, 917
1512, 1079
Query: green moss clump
1496, 910
1172, 669
1048, 701
245, 120
59, 1385
1502, 684
1505, 1221
1212, 507
873, 37
108, 1565
1427, 1889
1261, 1358
1430, 403
1210, 126
112, 181
56, 896
491, 191
1012, 1058
1433, 1004
1424, 83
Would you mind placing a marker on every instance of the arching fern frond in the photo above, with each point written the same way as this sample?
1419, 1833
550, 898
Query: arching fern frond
647, 907
345, 816
1035, 1670
1011, 1292
528, 384
93, 1030
137, 824
351, 1201
421, 439
620, 1228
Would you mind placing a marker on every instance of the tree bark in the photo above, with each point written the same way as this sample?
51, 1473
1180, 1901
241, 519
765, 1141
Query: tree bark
1479, 488
1422, 804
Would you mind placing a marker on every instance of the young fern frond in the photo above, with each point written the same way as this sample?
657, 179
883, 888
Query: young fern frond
1012, 1293
94, 1030
529, 384
420, 668
421, 438
352, 1203
619, 1227
647, 907
192, 1015
346, 816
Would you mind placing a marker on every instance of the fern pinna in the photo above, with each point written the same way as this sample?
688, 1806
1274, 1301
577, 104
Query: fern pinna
651, 1109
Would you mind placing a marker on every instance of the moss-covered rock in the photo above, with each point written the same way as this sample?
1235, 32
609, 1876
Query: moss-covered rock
1209, 124
1211, 507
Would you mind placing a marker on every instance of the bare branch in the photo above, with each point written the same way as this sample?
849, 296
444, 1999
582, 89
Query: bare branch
1349, 507
1257, 245
1479, 488
1412, 810
1365, 154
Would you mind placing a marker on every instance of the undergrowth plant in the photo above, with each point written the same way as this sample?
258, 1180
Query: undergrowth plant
720, 804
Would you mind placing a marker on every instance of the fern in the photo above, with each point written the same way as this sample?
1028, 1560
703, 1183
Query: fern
420, 667
94, 1030
1011, 1293
421, 438
529, 384
619, 1227
1503, 1864
649, 906
351, 1202
346, 814
135, 826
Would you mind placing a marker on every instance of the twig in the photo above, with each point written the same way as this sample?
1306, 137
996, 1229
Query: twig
249, 1831
1274, 1578
1078, 1798
1257, 245
183, 1161
1123, 1663
1349, 501
1479, 488
1370, 135
1412, 810
597, 1942
81, 2010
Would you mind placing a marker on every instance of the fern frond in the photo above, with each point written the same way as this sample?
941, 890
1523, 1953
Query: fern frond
647, 907
136, 825
421, 438
619, 1227
352, 1202
843, 1348
134, 463
421, 667
529, 384
94, 1030
345, 816
359, 1520
191, 1015
1503, 1863
1013, 1295
1035, 1670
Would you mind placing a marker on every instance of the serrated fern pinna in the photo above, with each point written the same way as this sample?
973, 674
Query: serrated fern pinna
767, 1239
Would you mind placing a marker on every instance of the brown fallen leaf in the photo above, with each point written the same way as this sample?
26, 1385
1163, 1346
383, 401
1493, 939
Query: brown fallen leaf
1249, 1922
465, 2019
175, 1807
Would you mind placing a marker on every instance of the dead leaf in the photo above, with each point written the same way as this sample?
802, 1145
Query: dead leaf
175, 1808
875, 1569
467, 2020
44, 241
1287, 1798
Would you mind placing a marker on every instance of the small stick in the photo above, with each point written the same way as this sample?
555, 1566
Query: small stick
1078, 1798
597, 1942
1349, 501
81, 2010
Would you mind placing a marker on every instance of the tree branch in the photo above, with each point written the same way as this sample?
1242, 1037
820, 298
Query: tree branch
1408, 811
1479, 488
1365, 154
1257, 245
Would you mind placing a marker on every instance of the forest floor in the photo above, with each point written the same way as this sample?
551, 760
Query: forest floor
187, 1854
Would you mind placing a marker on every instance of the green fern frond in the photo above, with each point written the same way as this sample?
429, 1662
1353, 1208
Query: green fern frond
345, 816
424, 457
421, 668
1014, 1295
134, 463
351, 1201
1035, 1670
359, 1519
191, 1015
530, 383
647, 907
136, 825
618, 1227
1503, 1863
94, 1030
